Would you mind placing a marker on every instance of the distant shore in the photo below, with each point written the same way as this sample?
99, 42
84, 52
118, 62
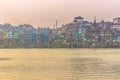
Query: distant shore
59, 48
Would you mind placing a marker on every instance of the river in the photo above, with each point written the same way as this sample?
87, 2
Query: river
59, 64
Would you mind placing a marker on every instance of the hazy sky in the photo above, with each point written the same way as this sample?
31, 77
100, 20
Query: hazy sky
45, 12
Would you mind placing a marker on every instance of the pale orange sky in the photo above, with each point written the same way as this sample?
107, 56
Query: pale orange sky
45, 12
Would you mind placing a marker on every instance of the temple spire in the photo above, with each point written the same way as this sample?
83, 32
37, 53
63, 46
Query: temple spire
95, 22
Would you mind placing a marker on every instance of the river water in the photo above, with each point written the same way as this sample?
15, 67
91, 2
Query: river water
60, 64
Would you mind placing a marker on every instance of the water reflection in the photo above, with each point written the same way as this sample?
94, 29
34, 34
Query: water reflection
5, 58
59, 65
94, 68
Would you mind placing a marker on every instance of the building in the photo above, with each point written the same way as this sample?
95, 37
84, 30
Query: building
78, 19
116, 20
29, 38
115, 27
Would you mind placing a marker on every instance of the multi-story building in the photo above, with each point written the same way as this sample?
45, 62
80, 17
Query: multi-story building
29, 39
116, 20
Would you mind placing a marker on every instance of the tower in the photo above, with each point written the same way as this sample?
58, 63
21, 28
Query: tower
95, 24
56, 23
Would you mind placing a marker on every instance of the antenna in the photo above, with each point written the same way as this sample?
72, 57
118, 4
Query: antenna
95, 20
56, 23
54, 26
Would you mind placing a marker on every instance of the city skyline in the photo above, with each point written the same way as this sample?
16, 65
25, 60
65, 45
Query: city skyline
42, 13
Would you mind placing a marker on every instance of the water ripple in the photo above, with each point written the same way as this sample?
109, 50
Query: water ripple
5, 58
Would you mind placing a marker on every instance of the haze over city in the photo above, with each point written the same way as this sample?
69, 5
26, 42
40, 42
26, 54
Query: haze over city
45, 12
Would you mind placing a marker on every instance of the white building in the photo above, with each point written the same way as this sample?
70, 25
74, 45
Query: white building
116, 20
115, 26
78, 19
